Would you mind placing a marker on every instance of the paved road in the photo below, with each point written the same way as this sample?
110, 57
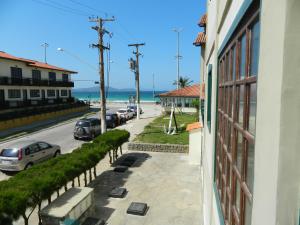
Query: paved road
63, 134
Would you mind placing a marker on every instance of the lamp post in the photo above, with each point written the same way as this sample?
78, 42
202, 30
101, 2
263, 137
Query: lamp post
178, 56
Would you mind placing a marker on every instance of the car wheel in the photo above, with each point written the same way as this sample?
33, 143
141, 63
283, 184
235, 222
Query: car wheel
113, 125
92, 135
76, 138
57, 153
28, 166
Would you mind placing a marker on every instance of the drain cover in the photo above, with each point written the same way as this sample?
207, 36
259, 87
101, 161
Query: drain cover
120, 169
93, 221
137, 208
118, 192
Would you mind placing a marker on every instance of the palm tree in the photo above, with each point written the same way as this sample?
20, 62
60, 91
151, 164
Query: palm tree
183, 82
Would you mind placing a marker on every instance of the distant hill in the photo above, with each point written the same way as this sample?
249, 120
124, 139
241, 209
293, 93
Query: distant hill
96, 89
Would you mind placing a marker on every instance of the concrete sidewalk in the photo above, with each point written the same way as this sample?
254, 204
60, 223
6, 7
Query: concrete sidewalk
165, 181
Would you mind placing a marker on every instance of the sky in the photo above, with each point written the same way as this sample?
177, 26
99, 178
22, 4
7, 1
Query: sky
26, 24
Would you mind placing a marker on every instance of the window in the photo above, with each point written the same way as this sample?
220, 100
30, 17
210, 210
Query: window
44, 145
64, 93
65, 77
16, 72
236, 115
34, 93
51, 93
36, 75
209, 84
52, 76
14, 93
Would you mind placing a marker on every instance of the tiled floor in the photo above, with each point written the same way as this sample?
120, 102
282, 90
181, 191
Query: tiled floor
165, 181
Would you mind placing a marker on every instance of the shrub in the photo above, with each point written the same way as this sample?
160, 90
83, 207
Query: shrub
29, 188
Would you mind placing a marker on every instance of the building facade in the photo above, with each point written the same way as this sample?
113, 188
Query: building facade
25, 82
251, 137
183, 98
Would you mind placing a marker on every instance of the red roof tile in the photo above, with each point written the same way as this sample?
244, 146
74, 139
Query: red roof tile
194, 126
190, 91
33, 63
200, 40
202, 22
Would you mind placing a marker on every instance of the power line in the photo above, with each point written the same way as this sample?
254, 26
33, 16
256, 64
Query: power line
88, 7
59, 8
67, 7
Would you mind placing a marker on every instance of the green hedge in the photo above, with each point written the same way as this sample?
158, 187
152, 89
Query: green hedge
29, 188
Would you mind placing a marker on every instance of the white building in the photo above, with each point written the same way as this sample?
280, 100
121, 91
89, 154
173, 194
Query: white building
25, 82
182, 98
251, 134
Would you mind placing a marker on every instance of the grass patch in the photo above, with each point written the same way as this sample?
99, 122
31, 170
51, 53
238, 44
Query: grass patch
154, 132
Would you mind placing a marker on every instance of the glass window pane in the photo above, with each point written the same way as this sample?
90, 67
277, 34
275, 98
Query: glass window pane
252, 113
237, 195
243, 53
248, 212
233, 63
241, 104
239, 151
254, 49
250, 167
227, 66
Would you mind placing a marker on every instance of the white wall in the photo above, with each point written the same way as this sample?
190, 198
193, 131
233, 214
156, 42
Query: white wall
28, 88
195, 146
26, 70
277, 170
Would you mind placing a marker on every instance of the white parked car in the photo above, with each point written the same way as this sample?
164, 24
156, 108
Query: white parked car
125, 113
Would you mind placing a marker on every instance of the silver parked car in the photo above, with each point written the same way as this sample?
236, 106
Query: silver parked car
125, 113
25, 154
87, 128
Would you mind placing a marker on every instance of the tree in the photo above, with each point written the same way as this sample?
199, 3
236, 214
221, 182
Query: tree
183, 82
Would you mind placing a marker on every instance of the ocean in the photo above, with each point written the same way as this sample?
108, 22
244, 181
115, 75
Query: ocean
118, 96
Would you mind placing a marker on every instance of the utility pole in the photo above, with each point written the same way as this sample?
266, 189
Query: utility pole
45, 45
101, 31
153, 86
178, 56
137, 75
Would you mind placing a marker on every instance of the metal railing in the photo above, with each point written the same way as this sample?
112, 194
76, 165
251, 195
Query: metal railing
34, 82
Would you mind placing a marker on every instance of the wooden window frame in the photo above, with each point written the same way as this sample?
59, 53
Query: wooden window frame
227, 173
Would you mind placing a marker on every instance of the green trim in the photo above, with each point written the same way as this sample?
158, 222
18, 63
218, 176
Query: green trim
216, 119
235, 23
209, 92
220, 214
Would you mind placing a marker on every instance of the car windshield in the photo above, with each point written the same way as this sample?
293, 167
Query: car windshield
82, 124
122, 111
9, 152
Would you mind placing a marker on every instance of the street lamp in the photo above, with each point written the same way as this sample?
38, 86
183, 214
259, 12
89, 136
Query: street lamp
178, 56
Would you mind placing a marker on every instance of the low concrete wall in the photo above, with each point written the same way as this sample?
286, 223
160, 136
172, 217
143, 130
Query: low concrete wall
45, 116
150, 147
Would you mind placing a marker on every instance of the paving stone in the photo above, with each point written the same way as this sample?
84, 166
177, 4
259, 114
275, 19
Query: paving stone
120, 169
118, 192
137, 208
93, 221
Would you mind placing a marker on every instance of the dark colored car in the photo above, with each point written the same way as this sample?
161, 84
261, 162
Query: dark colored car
87, 128
113, 120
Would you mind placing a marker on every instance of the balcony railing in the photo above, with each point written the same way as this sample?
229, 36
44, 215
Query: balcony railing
34, 82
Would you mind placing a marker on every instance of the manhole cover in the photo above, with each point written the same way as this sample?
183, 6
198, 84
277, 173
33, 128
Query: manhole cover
120, 169
118, 192
137, 208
